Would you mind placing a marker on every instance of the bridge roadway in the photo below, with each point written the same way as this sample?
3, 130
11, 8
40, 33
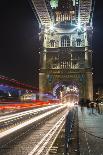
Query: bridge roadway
12, 120
33, 131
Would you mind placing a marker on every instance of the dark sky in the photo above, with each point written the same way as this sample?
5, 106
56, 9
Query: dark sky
98, 43
19, 56
18, 41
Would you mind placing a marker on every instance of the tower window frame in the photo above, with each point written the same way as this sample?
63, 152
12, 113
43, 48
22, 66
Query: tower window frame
52, 43
65, 41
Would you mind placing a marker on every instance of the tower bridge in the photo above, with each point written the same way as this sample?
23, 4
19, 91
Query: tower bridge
66, 37
66, 71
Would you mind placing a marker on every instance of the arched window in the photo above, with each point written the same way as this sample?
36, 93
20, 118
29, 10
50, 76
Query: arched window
65, 41
52, 43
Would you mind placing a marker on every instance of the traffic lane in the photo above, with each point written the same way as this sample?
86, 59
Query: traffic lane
15, 119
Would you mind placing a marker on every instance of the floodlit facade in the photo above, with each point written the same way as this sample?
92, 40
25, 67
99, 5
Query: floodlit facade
66, 41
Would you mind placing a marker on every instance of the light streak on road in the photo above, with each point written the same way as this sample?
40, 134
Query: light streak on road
13, 116
29, 122
42, 144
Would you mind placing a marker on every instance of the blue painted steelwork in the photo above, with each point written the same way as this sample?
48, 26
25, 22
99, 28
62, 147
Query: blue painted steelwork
11, 91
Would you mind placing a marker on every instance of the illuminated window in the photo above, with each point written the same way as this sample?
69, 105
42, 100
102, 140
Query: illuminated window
65, 41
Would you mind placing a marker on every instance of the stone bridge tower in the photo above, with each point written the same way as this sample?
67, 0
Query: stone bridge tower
65, 36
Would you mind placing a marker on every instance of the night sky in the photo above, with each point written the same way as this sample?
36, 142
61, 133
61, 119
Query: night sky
18, 41
98, 43
19, 58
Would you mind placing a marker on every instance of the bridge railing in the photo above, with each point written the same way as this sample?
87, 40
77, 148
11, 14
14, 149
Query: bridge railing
68, 130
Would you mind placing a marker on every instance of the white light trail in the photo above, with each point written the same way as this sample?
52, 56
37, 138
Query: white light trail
13, 116
47, 137
27, 123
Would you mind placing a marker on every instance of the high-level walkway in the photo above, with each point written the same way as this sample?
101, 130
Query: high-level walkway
90, 132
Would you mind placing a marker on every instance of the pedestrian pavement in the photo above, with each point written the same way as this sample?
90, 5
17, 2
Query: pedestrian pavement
90, 131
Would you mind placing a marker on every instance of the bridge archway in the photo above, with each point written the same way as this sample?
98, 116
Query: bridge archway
67, 92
